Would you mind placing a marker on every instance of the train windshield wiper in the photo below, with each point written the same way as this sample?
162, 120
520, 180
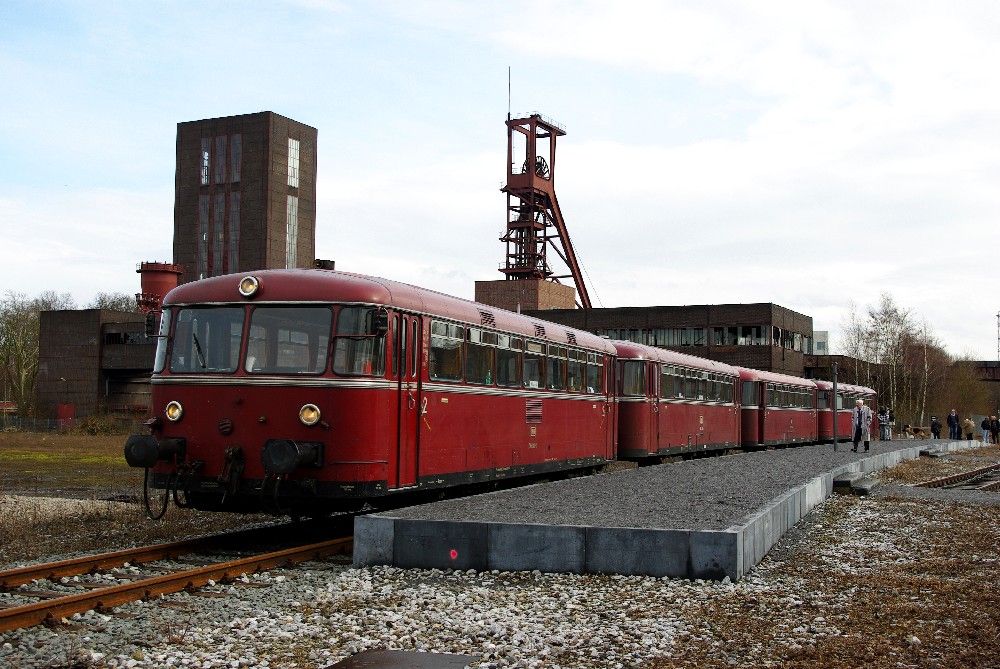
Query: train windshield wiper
197, 347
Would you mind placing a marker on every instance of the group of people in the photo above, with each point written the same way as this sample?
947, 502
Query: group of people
958, 428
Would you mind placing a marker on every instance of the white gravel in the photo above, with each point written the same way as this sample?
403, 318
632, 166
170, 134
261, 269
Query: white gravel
39, 509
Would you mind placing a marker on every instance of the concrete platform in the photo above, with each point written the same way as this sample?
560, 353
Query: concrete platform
696, 519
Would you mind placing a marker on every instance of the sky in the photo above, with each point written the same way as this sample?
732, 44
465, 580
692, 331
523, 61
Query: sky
811, 154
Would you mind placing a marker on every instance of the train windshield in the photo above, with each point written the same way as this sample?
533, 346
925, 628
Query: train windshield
288, 340
207, 340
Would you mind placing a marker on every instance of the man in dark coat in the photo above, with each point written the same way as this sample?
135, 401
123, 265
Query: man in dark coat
954, 430
935, 428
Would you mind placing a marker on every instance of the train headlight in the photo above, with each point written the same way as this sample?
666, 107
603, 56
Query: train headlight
249, 285
309, 414
174, 411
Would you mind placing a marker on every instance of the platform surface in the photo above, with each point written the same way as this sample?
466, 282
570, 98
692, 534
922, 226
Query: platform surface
704, 518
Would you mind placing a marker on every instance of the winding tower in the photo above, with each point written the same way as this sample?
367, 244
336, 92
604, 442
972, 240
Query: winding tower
534, 224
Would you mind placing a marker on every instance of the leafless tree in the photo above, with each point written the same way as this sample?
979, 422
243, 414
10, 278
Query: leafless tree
114, 302
19, 343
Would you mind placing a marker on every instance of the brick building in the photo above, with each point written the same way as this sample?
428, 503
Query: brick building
93, 359
763, 336
245, 195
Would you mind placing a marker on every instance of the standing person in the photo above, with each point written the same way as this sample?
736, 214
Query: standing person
985, 427
969, 428
861, 420
935, 428
892, 422
995, 429
883, 424
953, 426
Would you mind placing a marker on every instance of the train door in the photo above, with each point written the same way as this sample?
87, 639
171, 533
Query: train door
653, 392
408, 348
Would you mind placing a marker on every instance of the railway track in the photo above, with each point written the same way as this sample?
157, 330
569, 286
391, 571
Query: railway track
54, 604
982, 478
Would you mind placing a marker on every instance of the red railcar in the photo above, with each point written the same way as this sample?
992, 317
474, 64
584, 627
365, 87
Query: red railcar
847, 395
309, 390
671, 403
777, 409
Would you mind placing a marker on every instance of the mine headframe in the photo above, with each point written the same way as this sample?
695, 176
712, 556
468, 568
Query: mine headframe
534, 220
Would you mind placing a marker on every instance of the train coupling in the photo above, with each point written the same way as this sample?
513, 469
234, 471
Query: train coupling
144, 450
284, 456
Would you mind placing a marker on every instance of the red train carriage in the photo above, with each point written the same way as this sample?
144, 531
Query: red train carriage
777, 409
847, 394
309, 390
673, 403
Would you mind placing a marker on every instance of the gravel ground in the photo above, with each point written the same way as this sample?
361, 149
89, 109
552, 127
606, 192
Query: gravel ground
702, 494
880, 581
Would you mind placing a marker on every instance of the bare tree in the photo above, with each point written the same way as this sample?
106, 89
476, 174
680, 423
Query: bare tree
19, 343
114, 301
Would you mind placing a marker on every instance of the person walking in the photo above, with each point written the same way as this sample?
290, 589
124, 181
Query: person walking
953, 426
935, 428
861, 419
995, 430
969, 428
985, 427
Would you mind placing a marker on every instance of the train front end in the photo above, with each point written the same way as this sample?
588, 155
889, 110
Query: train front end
266, 397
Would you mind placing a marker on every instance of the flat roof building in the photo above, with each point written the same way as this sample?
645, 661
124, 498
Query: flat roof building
763, 336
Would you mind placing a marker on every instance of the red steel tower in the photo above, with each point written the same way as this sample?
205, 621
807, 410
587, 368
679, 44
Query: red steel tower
534, 220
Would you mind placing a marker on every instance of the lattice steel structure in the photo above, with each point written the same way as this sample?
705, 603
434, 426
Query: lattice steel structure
534, 220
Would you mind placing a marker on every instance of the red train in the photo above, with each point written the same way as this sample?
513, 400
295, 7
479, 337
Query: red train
305, 391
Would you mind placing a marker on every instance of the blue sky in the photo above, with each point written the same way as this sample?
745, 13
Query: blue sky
814, 154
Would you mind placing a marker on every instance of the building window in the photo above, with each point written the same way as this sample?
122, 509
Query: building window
234, 232
218, 234
291, 231
220, 159
293, 162
202, 236
235, 157
206, 159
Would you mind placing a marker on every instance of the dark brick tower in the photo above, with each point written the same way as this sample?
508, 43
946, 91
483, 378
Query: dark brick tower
245, 195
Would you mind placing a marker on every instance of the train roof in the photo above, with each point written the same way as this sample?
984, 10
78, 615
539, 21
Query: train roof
316, 285
631, 350
828, 385
748, 374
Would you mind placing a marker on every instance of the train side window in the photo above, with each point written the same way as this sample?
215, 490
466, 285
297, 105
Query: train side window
750, 398
633, 380
398, 352
479, 358
161, 341
508, 361
415, 348
595, 373
556, 367
445, 362
355, 351
576, 371
534, 365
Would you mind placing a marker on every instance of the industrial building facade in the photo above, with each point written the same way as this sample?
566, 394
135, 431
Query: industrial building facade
93, 360
763, 336
245, 195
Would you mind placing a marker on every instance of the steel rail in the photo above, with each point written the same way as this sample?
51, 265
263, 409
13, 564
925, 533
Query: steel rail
957, 478
111, 596
12, 578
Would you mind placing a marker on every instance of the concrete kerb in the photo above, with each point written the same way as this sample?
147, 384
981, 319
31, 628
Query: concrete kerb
673, 552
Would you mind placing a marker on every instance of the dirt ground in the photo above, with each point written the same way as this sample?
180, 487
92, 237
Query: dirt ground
88, 469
